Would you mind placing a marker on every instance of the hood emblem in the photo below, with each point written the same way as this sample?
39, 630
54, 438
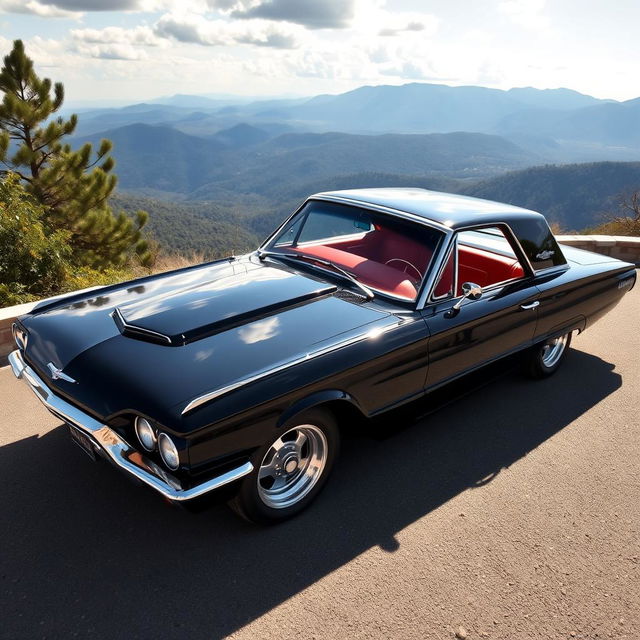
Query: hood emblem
56, 374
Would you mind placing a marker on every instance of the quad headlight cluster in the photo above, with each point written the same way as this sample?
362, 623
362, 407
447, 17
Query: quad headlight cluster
150, 441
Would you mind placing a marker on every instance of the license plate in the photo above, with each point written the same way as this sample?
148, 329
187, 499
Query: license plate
83, 442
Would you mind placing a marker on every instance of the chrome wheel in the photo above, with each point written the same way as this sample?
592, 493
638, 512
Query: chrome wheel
553, 350
292, 466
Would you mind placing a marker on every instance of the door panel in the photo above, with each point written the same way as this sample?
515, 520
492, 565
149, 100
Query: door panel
481, 331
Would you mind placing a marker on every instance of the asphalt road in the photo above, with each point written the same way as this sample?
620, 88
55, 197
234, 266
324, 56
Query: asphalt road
513, 512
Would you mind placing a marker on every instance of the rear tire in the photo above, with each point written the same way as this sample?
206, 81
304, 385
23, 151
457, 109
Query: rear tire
289, 470
544, 359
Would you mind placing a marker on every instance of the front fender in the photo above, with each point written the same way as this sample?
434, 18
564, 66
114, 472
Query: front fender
315, 399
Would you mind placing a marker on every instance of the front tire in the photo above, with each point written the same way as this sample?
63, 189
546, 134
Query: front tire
545, 358
290, 469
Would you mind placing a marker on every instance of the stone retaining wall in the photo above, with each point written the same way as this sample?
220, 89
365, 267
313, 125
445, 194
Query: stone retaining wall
621, 247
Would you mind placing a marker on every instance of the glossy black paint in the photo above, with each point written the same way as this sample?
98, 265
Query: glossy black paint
234, 319
483, 330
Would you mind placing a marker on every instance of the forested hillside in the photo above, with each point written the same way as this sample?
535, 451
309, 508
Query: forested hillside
575, 196
192, 227
161, 159
218, 177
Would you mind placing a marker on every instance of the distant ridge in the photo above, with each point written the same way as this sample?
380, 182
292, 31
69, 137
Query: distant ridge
574, 195
563, 124
245, 159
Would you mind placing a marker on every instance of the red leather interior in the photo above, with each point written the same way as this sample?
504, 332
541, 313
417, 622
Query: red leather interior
372, 273
384, 244
445, 284
366, 256
482, 267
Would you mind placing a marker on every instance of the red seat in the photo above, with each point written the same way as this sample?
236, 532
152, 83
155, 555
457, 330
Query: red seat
485, 267
480, 266
384, 245
374, 274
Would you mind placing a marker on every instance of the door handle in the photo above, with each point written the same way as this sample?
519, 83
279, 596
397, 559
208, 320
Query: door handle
531, 305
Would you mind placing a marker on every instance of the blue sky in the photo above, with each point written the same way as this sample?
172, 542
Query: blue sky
129, 50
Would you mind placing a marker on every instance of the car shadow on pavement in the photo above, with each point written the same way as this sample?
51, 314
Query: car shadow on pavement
84, 552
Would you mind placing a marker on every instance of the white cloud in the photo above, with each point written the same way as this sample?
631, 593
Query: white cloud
40, 9
526, 13
93, 5
196, 29
409, 71
141, 35
316, 14
410, 26
112, 52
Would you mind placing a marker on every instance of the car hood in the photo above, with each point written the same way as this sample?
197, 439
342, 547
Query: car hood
152, 346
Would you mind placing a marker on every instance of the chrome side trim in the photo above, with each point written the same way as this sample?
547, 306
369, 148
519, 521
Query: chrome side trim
212, 395
114, 447
453, 248
119, 318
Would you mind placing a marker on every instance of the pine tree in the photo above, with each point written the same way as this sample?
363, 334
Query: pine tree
73, 186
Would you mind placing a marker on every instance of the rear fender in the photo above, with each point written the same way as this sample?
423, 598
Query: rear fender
578, 324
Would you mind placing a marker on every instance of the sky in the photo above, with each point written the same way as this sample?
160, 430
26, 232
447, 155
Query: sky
131, 50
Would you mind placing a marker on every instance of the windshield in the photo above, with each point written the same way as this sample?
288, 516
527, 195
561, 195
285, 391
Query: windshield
390, 255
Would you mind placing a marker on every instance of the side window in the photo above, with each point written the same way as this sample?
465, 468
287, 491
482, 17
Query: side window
482, 256
289, 233
486, 257
538, 243
445, 283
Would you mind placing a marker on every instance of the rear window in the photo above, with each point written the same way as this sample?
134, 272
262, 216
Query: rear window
538, 243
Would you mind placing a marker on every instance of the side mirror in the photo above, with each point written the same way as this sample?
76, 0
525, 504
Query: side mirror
471, 291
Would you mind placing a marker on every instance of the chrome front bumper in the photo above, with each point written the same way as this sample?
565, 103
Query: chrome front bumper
113, 447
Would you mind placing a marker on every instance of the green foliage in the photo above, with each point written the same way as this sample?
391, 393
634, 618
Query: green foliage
33, 262
87, 277
73, 186
215, 231
619, 227
624, 222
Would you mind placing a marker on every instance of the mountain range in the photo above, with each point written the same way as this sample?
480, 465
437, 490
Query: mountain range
246, 159
560, 124
235, 167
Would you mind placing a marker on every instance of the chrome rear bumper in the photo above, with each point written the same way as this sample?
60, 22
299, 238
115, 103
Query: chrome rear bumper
113, 447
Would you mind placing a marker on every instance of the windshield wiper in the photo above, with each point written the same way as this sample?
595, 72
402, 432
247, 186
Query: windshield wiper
301, 257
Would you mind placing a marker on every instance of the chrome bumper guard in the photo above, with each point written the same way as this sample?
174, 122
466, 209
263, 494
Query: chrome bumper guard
113, 447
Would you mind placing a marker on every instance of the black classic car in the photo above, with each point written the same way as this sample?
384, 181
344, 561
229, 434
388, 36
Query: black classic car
235, 376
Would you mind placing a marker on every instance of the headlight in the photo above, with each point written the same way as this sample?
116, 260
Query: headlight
168, 451
20, 336
146, 434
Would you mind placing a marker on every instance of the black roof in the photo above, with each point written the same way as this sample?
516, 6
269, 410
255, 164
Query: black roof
448, 209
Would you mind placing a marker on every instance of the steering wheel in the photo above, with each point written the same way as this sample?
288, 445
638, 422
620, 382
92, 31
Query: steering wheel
407, 266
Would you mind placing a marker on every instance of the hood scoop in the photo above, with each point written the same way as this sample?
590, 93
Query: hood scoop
193, 313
